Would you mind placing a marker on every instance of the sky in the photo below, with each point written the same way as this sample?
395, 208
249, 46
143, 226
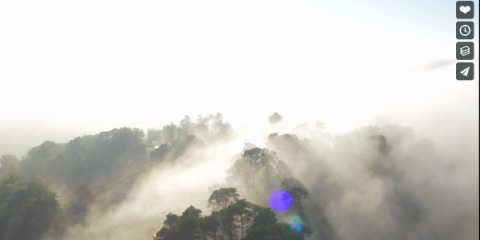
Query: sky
69, 68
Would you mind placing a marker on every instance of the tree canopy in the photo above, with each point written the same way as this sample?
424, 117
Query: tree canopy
235, 219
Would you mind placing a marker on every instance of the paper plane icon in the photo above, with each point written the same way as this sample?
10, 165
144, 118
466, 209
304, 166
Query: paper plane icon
464, 72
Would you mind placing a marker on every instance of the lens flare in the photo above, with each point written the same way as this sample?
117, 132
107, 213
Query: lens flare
296, 223
280, 200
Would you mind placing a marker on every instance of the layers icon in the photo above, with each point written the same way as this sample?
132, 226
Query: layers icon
464, 51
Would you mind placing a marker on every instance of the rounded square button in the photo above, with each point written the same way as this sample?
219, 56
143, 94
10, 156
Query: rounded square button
465, 9
465, 30
465, 71
465, 50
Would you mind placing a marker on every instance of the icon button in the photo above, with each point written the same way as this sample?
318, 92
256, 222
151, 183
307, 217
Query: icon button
465, 9
465, 71
465, 50
465, 30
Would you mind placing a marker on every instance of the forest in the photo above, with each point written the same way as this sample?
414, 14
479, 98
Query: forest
372, 183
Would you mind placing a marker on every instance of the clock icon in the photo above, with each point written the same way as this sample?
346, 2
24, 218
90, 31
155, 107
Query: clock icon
465, 30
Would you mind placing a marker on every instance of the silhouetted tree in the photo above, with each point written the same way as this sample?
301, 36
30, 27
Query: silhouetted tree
220, 198
210, 225
184, 227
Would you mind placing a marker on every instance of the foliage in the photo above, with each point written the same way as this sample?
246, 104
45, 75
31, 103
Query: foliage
8, 166
208, 129
257, 172
220, 198
184, 227
97, 169
236, 219
297, 192
277, 231
79, 204
380, 143
160, 152
28, 208
209, 226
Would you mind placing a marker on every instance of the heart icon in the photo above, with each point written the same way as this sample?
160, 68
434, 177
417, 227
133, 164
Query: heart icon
464, 9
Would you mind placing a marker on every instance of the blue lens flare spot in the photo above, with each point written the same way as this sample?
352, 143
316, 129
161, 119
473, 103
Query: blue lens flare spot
296, 223
280, 200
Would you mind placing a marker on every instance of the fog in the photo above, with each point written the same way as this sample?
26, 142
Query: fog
424, 187
163, 190
374, 124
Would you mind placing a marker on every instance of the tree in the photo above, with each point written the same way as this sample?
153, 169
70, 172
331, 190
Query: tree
79, 204
169, 133
184, 227
168, 231
265, 216
170, 221
160, 153
151, 137
186, 126
79, 153
276, 231
380, 143
265, 226
237, 219
35, 162
220, 198
57, 168
8, 166
128, 141
227, 223
183, 144
29, 209
219, 127
297, 192
210, 226
211, 127
257, 172
244, 213
188, 224
295, 188
289, 147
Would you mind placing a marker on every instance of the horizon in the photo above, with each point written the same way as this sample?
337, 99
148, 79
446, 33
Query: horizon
74, 69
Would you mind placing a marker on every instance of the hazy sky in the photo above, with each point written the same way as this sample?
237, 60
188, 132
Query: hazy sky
74, 67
